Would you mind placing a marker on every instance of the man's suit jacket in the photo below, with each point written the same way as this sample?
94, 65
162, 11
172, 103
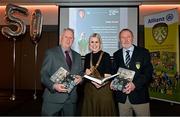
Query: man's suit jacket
54, 59
140, 63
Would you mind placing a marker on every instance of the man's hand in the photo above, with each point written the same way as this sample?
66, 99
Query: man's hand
111, 86
77, 79
129, 87
60, 87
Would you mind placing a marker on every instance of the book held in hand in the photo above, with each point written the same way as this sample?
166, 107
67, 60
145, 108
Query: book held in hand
125, 76
100, 81
62, 76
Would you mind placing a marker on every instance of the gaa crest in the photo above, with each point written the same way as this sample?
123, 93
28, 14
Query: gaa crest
160, 32
138, 65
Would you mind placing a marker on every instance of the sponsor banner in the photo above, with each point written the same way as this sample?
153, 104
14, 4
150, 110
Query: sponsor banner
162, 40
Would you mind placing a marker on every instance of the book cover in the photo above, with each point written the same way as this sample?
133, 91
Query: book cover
125, 76
100, 81
62, 76
126, 73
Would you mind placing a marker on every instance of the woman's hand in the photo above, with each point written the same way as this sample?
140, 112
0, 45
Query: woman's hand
96, 84
88, 72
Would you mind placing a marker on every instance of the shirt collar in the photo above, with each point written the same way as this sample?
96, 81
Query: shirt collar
130, 48
65, 50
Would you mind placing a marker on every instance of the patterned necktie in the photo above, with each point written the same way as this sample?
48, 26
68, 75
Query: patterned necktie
68, 59
127, 58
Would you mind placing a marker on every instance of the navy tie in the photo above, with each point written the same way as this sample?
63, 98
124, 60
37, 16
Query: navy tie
68, 59
127, 58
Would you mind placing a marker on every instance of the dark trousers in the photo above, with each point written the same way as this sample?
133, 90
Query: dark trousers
54, 109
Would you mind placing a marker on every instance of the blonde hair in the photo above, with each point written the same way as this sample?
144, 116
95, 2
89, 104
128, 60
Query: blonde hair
98, 36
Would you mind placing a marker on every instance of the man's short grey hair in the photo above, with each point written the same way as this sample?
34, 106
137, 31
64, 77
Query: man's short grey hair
68, 29
125, 29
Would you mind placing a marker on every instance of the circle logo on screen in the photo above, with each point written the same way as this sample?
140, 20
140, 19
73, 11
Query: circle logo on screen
169, 17
160, 32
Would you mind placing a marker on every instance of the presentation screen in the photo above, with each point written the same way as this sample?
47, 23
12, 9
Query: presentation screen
107, 21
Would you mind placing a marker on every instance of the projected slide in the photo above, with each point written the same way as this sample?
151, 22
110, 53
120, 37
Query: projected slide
105, 21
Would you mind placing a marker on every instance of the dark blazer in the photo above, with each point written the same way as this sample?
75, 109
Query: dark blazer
54, 58
143, 75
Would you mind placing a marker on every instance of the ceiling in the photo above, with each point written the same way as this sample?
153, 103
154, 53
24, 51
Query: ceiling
91, 2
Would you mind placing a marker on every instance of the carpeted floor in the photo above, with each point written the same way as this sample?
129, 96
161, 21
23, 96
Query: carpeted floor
25, 105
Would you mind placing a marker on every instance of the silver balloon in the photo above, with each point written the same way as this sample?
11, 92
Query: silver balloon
35, 33
9, 33
12, 20
36, 26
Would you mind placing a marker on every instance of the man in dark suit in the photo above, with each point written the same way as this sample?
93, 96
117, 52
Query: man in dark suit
135, 96
56, 99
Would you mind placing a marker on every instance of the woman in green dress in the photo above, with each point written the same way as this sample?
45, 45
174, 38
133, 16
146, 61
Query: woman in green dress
98, 99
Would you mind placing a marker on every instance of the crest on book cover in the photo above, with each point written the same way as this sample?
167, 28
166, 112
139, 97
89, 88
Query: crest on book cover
138, 65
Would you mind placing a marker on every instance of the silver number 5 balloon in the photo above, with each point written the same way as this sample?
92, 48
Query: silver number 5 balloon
12, 20
9, 33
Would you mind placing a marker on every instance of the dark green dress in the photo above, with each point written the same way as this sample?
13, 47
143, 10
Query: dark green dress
98, 101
